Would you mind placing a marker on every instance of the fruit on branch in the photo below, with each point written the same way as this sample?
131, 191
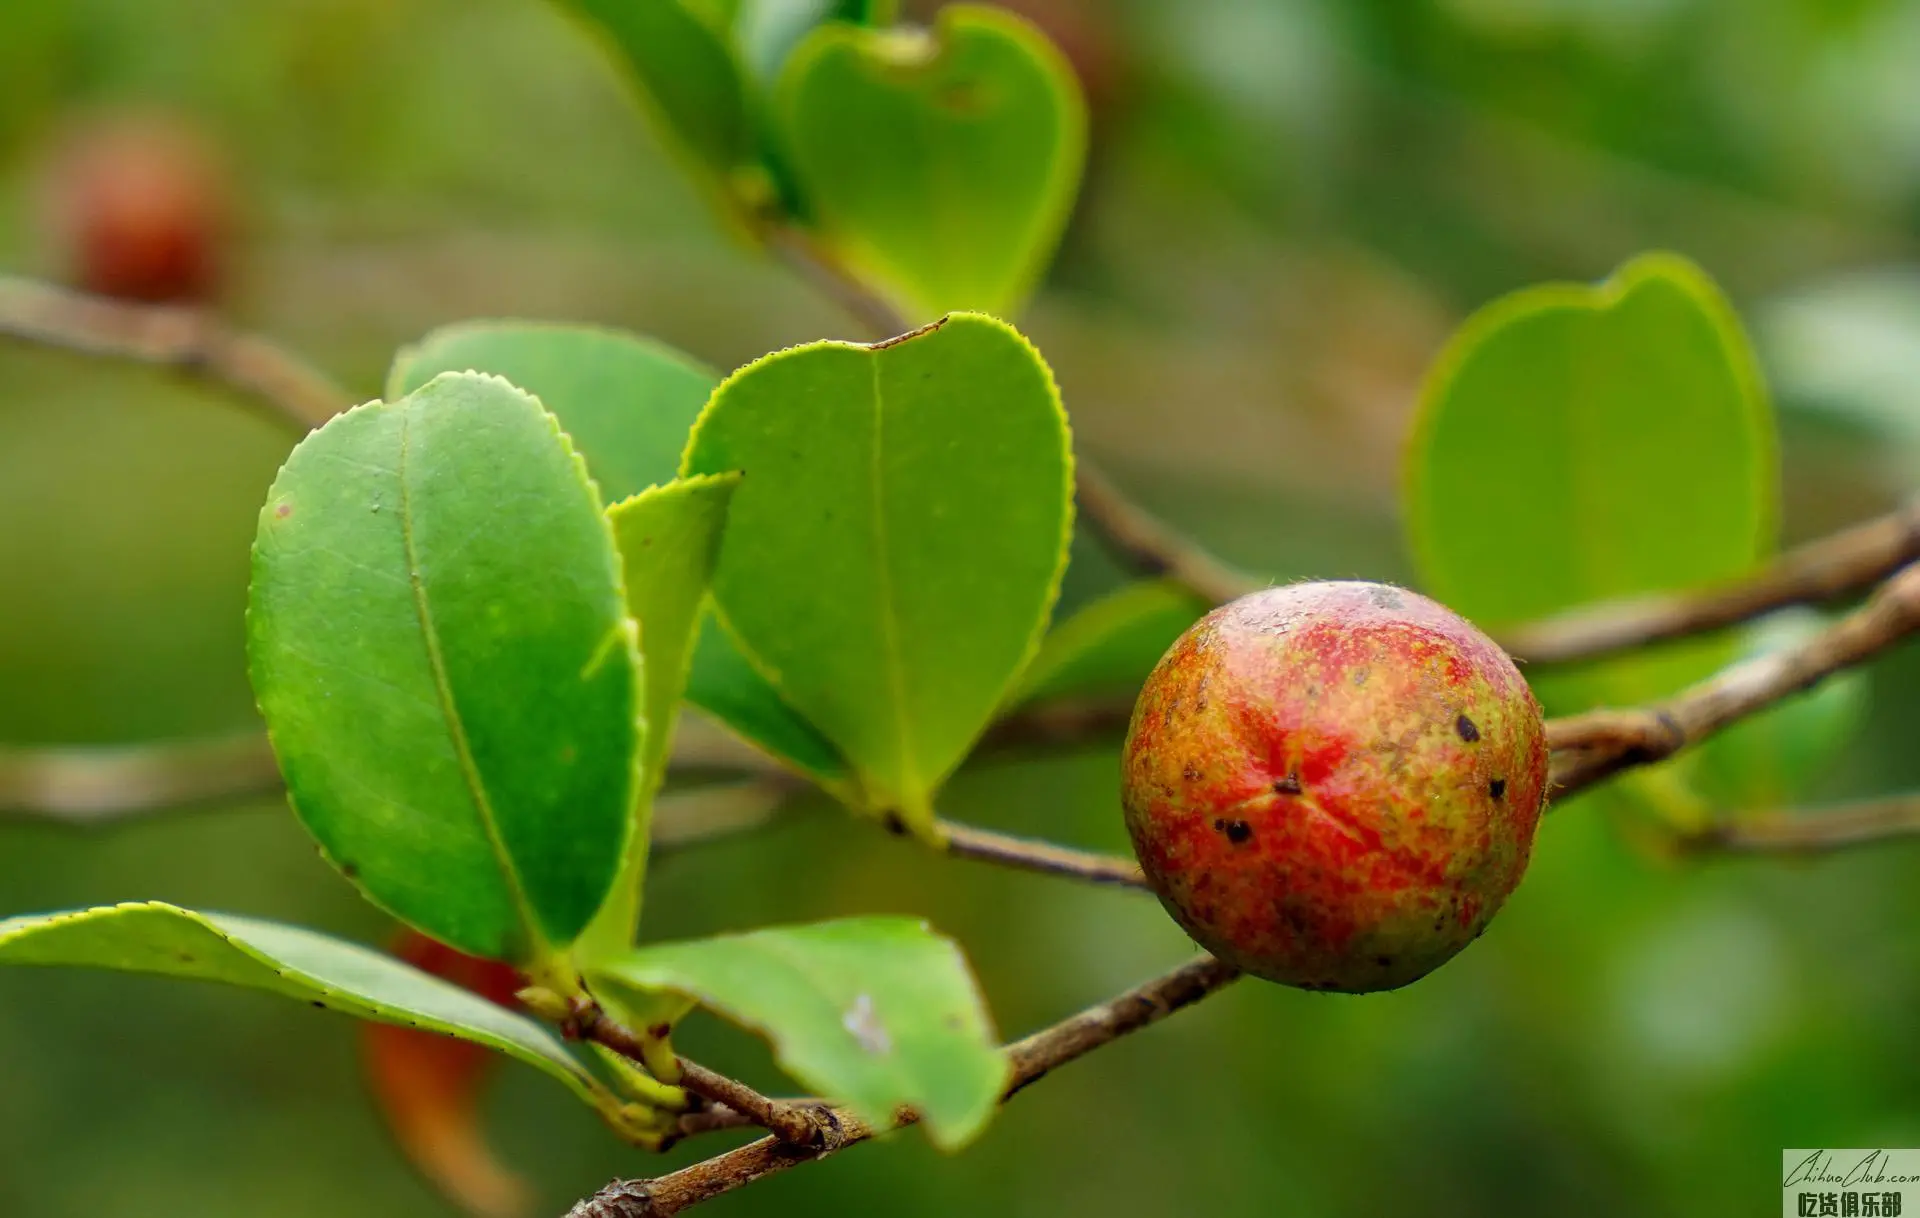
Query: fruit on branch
139, 207
1334, 785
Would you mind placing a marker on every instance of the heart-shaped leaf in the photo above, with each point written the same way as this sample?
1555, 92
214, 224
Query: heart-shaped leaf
898, 539
941, 165
628, 403
668, 537
876, 1012
439, 640
1578, 442
286, 960
1107, 649
683, 60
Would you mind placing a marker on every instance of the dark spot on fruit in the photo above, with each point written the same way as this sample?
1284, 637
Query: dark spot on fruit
319, 1004
1290, 785
1497, 788
895, 823
1468, 732
1360, 676
283, 511
1383, 961
350, 870
1191, 773
1237, 831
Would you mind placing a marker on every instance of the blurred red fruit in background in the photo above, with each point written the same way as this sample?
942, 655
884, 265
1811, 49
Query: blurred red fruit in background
139, 205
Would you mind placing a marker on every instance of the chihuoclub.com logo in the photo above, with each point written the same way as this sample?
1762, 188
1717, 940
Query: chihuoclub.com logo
1850, 1183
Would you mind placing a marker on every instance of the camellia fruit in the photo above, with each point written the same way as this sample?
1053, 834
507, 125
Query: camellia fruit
1334, 785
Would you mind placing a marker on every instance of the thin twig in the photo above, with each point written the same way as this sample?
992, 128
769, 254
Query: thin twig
1833, 566
1865, 823
830, 276
790, 1122
1027, 854
187, 340
1601, 743
97, 784
713, 1118
89, 786
794, 1123
1028, 1060
1057, 724
1150, 546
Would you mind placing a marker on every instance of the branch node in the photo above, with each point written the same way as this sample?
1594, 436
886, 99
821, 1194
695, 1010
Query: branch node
619, 1199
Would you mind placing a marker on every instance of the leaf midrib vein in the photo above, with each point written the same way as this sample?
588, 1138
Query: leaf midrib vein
889, 623
449, 713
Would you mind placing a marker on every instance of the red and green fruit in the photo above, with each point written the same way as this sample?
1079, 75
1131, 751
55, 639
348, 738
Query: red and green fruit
1334, 785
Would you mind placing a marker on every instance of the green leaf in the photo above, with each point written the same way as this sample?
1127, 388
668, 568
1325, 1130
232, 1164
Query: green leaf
940, 165
684, 62
286, 960
894, 550
1579, 442
726, 685
439, 641
627, 402
1109, 646
668, 537
1772, 759
876, 1012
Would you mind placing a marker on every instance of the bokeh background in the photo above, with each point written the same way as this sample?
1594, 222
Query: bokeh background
1290, 203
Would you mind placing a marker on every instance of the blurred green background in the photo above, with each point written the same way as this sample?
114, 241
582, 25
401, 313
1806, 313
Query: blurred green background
1290, 203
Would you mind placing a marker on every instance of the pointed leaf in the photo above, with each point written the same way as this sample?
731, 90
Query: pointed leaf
1109, 646
896, 545
668, 537
627, 403
439, 641
1581, 442
876, 1012
942, 165
155, 938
